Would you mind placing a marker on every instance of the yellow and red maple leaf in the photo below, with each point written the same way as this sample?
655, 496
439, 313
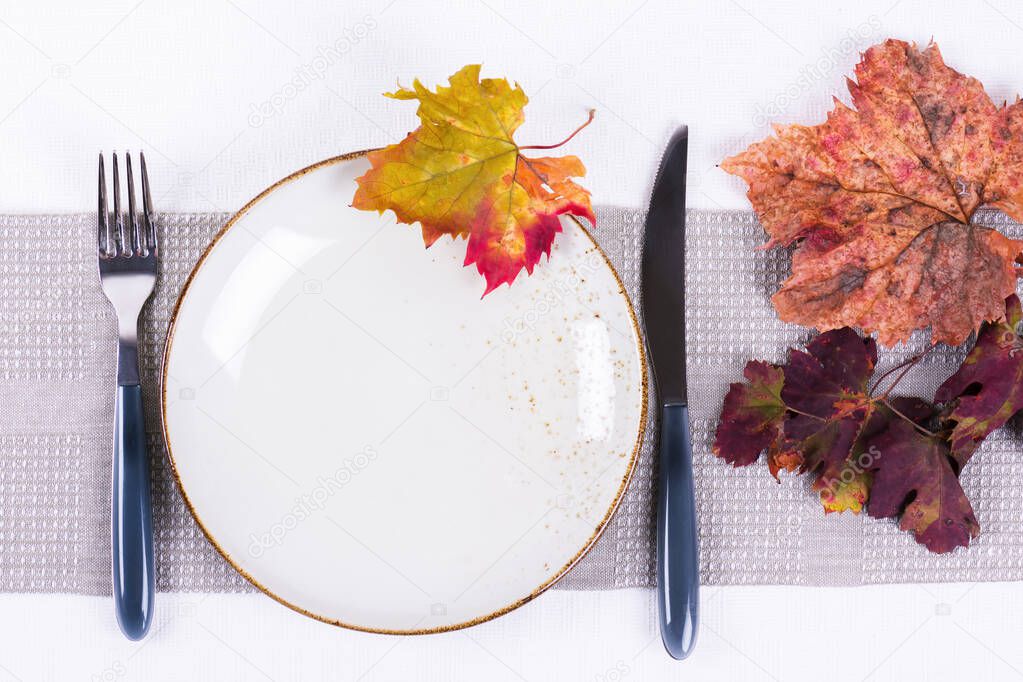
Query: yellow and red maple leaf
462, 174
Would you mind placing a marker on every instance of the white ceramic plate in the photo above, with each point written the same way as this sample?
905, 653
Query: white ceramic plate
372, 444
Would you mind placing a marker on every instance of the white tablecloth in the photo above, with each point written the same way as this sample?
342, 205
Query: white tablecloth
227, 96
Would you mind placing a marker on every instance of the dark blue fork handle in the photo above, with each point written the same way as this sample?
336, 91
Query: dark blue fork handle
678, 558
132, 517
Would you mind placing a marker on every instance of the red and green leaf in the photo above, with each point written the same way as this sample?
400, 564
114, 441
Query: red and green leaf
809, 415
988, 388
913, 478
818, 415
754, 414
825, 388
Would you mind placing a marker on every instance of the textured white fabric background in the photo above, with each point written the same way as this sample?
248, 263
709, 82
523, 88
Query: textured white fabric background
187, 81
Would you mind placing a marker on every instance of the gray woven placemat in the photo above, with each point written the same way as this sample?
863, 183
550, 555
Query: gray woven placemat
56, 360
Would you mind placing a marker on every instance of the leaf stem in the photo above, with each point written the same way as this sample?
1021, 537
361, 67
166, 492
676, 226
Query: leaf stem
574, 133
926, 432
906, 364
887, 373
899, 378
805, 414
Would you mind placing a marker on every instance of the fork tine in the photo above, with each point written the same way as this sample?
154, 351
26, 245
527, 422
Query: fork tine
120, 239
147, 206
134, 238
102, 217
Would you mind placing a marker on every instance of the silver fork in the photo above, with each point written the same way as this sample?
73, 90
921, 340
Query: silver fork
128, 251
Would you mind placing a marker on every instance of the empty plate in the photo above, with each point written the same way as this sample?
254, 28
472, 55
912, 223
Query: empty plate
370, 442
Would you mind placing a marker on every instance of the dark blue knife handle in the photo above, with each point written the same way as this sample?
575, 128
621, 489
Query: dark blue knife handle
678, 557
132, 517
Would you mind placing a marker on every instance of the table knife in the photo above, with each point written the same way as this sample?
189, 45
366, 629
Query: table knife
663, 289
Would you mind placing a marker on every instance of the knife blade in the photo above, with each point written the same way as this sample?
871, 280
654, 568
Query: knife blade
663, 289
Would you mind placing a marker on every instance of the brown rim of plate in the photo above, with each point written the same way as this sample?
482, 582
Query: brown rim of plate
332, 621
